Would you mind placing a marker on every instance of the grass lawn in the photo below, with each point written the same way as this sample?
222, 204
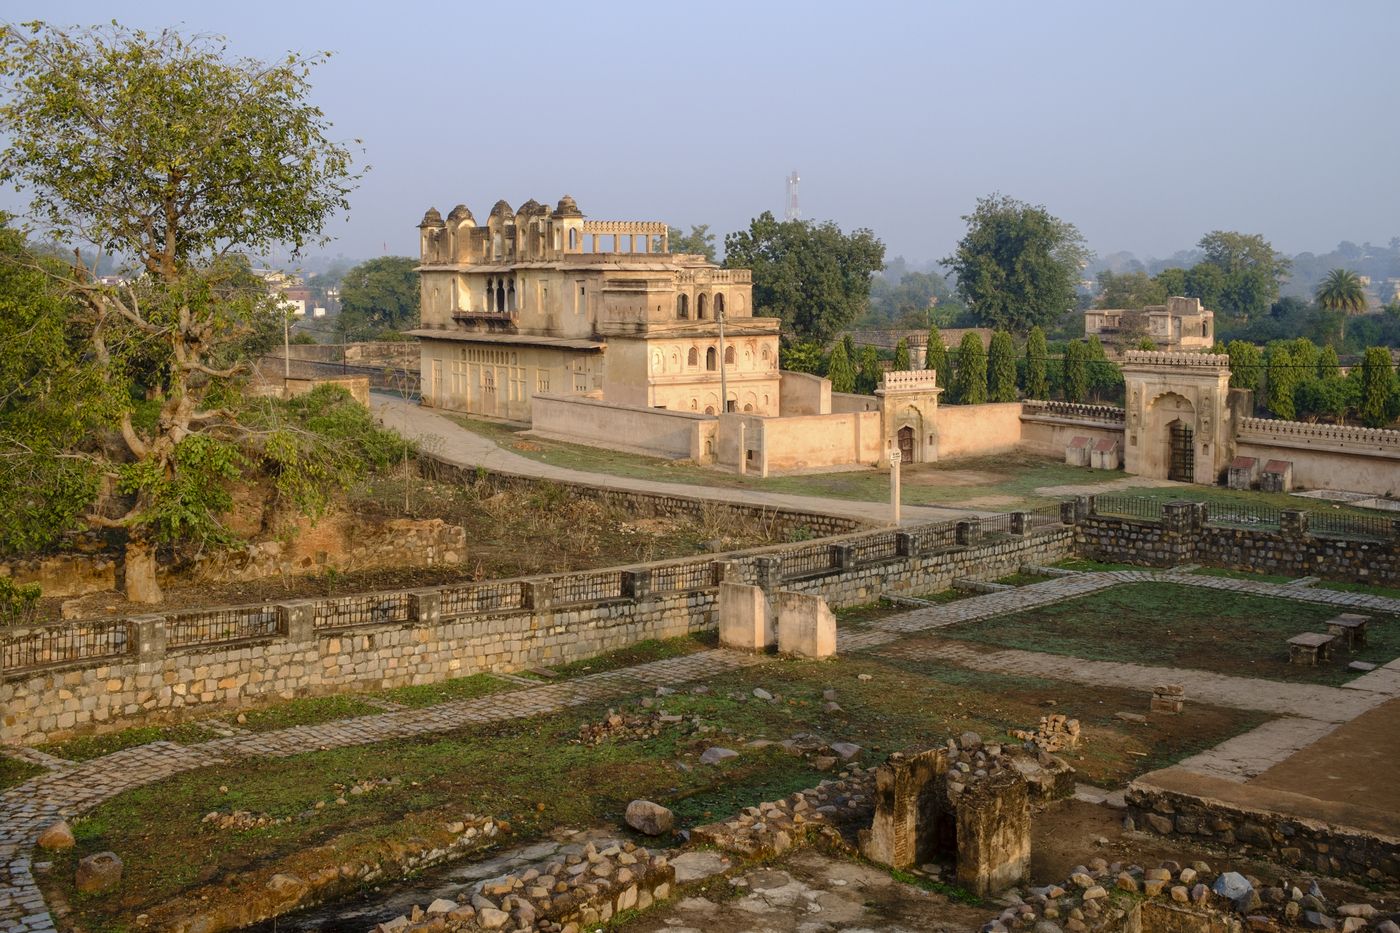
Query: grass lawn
653, 649
1389, 591
1242, 575
1021, 578
1084, 565
306, 711
13, 771
535, 775
458, 688
1169, 625
89, 747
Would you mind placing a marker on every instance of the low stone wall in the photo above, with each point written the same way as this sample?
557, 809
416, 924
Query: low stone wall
65, 574
162, 667
1338, 840
1183, 534
652, 432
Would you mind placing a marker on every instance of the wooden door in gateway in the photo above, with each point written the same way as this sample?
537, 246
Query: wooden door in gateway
906, 444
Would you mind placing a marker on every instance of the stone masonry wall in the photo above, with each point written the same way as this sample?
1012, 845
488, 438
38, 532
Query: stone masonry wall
156, 683
1313, 845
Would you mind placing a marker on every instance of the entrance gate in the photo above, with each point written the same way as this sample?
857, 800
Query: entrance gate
1181, 465
906, 444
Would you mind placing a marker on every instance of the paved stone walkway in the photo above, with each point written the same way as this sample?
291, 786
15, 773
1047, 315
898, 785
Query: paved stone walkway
454, 443
71, 788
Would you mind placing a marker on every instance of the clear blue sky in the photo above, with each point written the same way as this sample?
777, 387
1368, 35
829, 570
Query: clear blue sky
1144, 124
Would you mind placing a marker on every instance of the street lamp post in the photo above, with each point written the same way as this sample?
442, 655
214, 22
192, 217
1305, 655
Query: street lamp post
723, 381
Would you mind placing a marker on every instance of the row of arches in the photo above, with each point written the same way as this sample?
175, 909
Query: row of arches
702, 310
711, 357
710, 403
501, 295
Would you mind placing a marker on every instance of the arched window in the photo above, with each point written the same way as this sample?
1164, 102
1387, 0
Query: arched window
748, 408
496, 246
764, 353
682, 306
700, 307
510, 298
729, 356
709, 410
573, 239
719, 304
710, 358
500, 298
693, 357
694, 404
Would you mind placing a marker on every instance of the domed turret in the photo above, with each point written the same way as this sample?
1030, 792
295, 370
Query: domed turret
502, 209
432, 219
460, 213
567, 207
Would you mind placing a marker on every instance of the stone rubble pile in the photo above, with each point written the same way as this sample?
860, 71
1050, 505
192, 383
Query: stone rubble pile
1105, 898
238, 820
562, 896
773, 827
1055, 733
970, 761
621, 726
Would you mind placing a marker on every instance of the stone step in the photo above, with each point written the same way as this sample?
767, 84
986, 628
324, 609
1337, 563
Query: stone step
1304, 581
1044, 571
909, 601
967, 584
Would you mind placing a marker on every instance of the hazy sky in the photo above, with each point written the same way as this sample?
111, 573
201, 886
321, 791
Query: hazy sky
1146, 124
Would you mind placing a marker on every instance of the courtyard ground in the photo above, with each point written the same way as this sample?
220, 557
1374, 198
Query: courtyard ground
902, 681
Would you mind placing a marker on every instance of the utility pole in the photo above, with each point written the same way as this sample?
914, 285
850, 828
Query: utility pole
895, 458
723, 381
286, 347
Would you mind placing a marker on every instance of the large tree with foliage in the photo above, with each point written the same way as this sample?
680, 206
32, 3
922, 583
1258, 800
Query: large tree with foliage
1001, 368
1246, 365
1238, 275
162, 151
901, 356
1017, 265
868, 378
936, 358
812, 276
1037, 356
1281, 380
699, 241
1131, 290
970, 379
379, 296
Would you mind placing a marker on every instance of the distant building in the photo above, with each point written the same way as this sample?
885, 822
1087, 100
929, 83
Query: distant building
1180, 324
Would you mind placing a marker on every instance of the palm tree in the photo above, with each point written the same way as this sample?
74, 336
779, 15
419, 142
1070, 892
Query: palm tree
1342, 291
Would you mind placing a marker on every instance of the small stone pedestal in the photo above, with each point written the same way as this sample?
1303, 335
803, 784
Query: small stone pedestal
908, 807
1349, 629
1309, 648
806, 627
994, 834
745, 617
1168, 698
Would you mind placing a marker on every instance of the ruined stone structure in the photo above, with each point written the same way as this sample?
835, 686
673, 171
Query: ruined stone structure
543, 302
1180, 324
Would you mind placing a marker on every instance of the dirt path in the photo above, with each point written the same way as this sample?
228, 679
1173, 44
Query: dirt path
456, 444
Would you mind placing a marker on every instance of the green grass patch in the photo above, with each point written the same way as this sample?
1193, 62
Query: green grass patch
1390, 592
307, 711
1170, 625
1084, 565
652, 649
88, 747
550, 780
459, 688
1242, 575
13, 771
1021, 578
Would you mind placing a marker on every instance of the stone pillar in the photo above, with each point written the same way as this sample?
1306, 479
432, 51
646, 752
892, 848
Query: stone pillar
909, 805
1085, 506
905, 544
768, 573
1293, 523
636, 583
1178, 516
1021, 523
806, 627
425, 607
1069, 512
743, 453
994, 834
1200, 515
745, 618
1395, 529
149, 635
843, 556
968, 532
722, 570
297, 620
539, 595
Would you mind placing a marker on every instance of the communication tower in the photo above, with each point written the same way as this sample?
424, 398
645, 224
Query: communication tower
793, 212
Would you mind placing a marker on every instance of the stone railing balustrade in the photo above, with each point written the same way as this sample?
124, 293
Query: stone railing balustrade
1076, 410
1266, 429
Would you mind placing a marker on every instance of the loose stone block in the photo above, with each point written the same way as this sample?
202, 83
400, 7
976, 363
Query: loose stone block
908, 809
1309, 648
806, 626
1168, 698
745, 618
994, 834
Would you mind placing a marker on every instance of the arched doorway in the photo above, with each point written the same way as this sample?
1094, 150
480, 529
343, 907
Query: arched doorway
905, 436
1181, 452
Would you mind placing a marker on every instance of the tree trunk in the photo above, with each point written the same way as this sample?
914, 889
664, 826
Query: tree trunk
139, 572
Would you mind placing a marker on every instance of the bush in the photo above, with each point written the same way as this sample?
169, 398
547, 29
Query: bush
18, 602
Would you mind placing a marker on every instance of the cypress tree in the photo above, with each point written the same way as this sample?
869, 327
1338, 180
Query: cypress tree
901, 355
1037, 385
869, 379
1377, 386
971, 377
936, 357
1328, 366
1001, 368
1282, 381
1076, 371
1244, 365
841, 371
